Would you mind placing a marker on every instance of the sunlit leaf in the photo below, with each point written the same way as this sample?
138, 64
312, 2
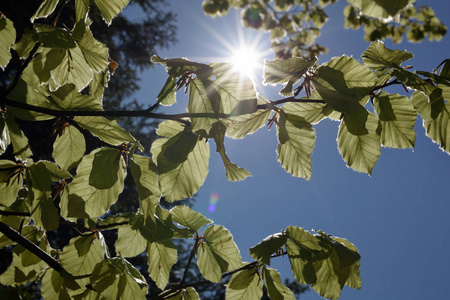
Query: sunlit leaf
95, 53
10, 182
21, 146
271, 244
243, 285
128, 236
378, 57
296, 142
145, 176
397, 118
185, 216
381, 8
275, 289
69, 148
7, 38
45, 9
438, 129
361, 152
53, 286
110, 9
161, 257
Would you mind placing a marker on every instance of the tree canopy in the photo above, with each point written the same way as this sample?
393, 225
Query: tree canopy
62, 77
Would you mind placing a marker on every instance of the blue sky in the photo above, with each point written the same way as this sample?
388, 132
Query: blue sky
398, 217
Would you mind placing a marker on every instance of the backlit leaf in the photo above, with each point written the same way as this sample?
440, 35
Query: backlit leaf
275, 289
69, 148
185, 216
9, 188
110, 9
378, 57
271, 244
7, 38
243, 285
161, 257
438, 129
21, 146
45, 9
128, 236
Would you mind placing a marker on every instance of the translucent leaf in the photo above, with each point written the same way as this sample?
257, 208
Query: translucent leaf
312, 112
218, 253
21, 146
55, 37
271, 244
161, 257
86, 200
73, 69
43, 211
5, 139
26, 43
438, 129
353, 280
361, 152
239, 126
185, 216
167, 94
178, 66
233, 172
69, 148
81, 255
381, 8
145, 176
329, 284
67, 98
296, 142
243, 285
397, 117
110, 9
45, 9
107, 130
18, 274
287, 71
182, 165
53, 286
378, 57
434, 94
303, 238
203, 100
95, 53
7, 38
128, 236
275, 289
9, 188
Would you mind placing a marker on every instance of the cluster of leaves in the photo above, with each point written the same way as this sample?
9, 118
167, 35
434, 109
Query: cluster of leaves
295, 24
63, 77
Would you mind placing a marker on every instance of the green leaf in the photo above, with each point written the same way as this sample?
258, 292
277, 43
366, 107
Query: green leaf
21, 146
203, 99
239, 126
53, 286
67, 98
45, 9
110, 9
43, 211
73, 69
275, 289
107, 130
55, 37
243, 285
353, 280
9, 188
167, 95
69, 148
296, 142
218, 253
397, 118
438, 129
361, 152
94, 52
378, 57
182, 165
271, 244
86, 200
26, 43
287, 71
5, 139
434, 94
381, 8
185, 216
233, 172
303, 238
161, 257
128, 236
145, 176
7, 38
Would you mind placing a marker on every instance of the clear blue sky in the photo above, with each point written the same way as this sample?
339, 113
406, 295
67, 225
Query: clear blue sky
398, 218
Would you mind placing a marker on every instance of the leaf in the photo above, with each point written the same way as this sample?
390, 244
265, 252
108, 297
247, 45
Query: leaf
353, 280
53, 286
55, 37
110, 9
21, 146
271, 244
243, 285
397, 118
7, 38
69, 148
296, 142
67, 98
145, 176
81, 255
239, 126
233, 172
128, 236
107, 130
9, 190
287, 71
86, 200
167, 94
5, 139
361, 152
382, 9
45, 9
275, 289
438, 129
434, 94
329, 284
312, 112
303, 238
218, 253
378, 57
94, 52
182, 165
203, 99
185, 216
161, 257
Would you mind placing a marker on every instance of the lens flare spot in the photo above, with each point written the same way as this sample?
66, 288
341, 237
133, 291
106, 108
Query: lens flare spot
213, 201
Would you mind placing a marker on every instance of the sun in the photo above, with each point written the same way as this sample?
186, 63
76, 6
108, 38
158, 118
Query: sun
246, 61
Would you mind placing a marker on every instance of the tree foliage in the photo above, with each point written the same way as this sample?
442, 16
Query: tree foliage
62, 78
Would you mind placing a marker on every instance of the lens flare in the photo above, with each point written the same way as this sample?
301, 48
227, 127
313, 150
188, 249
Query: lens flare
213, 201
